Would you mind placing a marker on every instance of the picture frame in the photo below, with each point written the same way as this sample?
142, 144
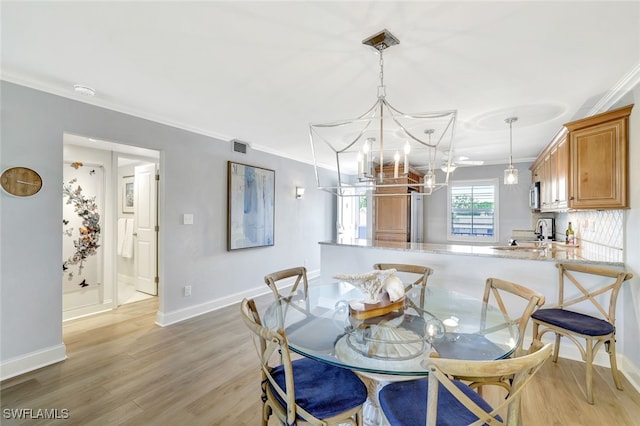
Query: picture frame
250, 206
128, 195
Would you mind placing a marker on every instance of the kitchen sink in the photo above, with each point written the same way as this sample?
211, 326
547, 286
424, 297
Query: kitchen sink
534, 246
519, 248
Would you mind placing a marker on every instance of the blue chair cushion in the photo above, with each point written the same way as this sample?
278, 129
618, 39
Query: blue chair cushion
405, 403
322, 389
574, 321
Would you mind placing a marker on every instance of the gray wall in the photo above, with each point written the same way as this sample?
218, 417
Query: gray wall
514, 210
193, 180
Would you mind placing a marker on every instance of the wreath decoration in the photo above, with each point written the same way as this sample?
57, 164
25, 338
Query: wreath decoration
89, 234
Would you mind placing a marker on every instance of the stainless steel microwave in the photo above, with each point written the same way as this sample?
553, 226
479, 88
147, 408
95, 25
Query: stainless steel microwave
534, 196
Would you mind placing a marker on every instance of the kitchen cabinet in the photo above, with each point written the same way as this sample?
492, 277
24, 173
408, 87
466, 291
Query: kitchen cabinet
586, 168
550, 169
599, 162
392, 213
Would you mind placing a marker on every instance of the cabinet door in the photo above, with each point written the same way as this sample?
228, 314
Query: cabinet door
545, 185
562, 174
391, 218
599, 162
553, 178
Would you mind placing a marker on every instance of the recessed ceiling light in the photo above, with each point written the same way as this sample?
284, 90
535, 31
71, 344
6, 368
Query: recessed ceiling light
84, 90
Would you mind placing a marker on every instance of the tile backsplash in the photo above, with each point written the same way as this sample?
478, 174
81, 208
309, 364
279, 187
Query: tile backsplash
599, 231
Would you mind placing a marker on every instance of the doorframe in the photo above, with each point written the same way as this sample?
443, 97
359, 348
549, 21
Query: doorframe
117, 150
157, 161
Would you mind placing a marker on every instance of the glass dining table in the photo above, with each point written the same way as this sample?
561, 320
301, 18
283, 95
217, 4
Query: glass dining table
328, 325
429, 321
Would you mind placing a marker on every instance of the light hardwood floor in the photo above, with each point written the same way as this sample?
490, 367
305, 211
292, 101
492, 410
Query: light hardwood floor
123, 369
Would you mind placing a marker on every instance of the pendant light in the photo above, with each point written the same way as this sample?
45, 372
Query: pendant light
510, 173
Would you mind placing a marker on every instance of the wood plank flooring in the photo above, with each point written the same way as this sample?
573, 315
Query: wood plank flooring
122, 369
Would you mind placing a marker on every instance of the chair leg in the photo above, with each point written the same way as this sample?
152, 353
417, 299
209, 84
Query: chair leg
611, 348
589, 362
556, 348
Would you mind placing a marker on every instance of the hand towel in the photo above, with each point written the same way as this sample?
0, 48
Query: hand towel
122, 223
127, 244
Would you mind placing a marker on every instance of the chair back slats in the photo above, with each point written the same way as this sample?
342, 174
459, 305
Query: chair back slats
495, 286
565, 274
423, 271
521, 368
300, 274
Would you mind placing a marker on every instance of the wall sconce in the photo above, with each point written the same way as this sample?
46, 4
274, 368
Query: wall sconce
299, 192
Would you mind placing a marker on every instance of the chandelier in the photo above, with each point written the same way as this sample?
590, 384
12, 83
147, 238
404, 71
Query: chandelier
384, 151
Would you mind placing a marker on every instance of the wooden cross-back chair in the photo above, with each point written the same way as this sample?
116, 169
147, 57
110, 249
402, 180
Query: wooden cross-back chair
597, 329
443, 400
497, 288
302, 391
300, 274
422, 272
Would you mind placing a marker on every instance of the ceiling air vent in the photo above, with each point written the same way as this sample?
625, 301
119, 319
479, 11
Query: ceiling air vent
239, 146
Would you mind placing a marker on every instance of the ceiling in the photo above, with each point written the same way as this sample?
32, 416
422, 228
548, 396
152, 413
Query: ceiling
262, 71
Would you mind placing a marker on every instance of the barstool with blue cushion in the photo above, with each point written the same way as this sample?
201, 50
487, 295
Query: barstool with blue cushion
579, 325
303, 390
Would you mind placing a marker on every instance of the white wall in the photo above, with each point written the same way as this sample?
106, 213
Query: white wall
192, 180
629, 299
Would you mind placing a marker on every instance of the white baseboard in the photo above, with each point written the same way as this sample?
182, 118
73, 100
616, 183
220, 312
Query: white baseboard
164, 319
86, 311
32, 361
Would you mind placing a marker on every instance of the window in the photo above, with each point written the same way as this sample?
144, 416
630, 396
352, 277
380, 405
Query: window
472, 211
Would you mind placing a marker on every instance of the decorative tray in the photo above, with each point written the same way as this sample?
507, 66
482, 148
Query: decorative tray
362, 310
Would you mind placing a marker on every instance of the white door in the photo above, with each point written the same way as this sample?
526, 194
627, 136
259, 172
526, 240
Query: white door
145, 236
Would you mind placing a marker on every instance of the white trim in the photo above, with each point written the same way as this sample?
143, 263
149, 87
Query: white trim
31, 361
495, 182
85, 311
622, 87
169, 318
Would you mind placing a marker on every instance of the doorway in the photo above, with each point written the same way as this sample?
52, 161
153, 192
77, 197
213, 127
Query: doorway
120, 264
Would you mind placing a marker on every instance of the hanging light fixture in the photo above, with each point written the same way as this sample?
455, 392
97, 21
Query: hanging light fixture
383, 151
430, 176
510, 173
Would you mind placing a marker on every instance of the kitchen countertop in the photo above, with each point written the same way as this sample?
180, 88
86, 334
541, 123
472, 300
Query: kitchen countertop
554, 252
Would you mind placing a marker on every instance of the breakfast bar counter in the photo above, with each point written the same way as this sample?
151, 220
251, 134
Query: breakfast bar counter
462, 268
552, 251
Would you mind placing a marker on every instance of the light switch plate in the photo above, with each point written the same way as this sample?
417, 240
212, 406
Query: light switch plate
187, 219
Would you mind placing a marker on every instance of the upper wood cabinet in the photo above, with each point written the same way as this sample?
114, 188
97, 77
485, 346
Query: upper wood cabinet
599, 162
550, 169
588, 167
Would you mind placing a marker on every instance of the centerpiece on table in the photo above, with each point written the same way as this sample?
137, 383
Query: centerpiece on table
384, 293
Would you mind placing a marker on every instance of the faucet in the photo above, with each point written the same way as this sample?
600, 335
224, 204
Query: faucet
544, 228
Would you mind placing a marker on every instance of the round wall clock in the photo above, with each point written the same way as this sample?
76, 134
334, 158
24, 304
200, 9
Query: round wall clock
21, 181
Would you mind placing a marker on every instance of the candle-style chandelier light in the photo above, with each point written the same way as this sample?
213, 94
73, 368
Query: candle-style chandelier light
384, 151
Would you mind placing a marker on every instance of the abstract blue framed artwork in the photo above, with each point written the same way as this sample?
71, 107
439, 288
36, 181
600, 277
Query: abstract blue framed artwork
250, 206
